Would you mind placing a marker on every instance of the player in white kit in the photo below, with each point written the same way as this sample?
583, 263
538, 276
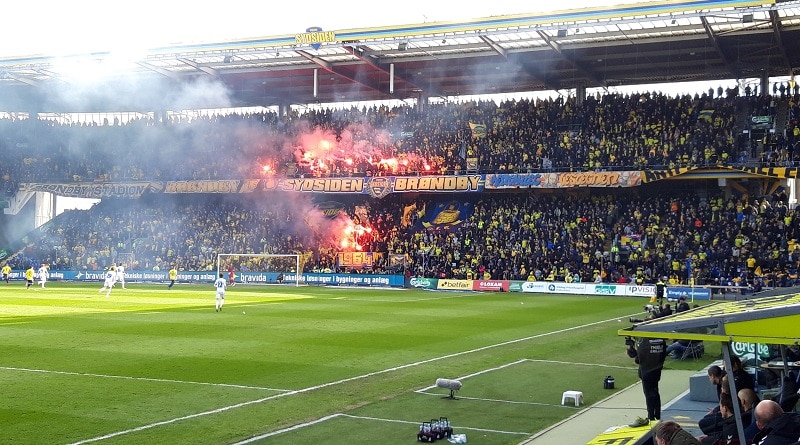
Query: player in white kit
220, 285
43, 274
121, 275
110, 279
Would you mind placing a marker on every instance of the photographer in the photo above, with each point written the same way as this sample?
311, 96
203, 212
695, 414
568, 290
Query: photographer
649, 354
654, 312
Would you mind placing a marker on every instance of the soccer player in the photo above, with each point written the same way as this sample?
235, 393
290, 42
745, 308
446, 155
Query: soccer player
220, 284
231, 276
110, 279
121, 274
173, 275
6, 272
43, 274
29, 277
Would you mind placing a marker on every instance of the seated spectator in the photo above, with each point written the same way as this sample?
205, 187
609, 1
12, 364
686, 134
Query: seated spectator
671, 433
711, 421
749, 400
787, 397
776, 427
682, 305
677, 348
741, 378
726, 428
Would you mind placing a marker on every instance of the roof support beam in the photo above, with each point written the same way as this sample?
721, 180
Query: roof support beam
327, 66
24, 80
208, 70
497, 48
718, 48
591, 75
776, 30
363, 55
166, 73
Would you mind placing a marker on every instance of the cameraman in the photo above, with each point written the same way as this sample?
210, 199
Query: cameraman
649, 354
654, 312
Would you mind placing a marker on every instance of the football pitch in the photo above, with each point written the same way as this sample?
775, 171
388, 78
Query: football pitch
298, 365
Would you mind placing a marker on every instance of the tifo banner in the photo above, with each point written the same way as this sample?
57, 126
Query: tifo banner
445, 215
478, 130
95, 190
563, 180
720, 170
356, 260
378, 186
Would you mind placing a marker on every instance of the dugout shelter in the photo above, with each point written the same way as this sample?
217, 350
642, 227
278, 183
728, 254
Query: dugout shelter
769, 320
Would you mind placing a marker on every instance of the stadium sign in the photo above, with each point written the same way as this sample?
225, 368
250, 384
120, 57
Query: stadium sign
605, 289
454, 285
315, 37
422, 283
691, 293
491, 285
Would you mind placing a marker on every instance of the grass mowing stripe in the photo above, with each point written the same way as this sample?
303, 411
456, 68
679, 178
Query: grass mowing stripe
299, 344
337, 382
144, 379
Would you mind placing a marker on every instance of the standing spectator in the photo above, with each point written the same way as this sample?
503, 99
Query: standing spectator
173, 275
649, 354
220, 285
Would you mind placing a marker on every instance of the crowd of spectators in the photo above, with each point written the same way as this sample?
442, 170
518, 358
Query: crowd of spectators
633, 235
612, 131
624, 236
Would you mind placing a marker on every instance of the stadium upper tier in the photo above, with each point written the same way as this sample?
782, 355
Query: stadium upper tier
613, 132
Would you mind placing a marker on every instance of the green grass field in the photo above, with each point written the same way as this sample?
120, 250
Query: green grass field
287, 365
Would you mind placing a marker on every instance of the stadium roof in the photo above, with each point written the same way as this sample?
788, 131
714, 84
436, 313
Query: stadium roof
643, 43
769, 320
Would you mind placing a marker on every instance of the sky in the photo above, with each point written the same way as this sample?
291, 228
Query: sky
49, 27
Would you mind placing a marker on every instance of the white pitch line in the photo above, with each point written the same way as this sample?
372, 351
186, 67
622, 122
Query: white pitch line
478, 373
145, 379
417, 423
335, 383
511, 402
286, 430
326, 418
597, 365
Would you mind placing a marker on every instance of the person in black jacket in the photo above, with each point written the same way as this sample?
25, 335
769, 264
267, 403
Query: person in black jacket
777, 427
649, 354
